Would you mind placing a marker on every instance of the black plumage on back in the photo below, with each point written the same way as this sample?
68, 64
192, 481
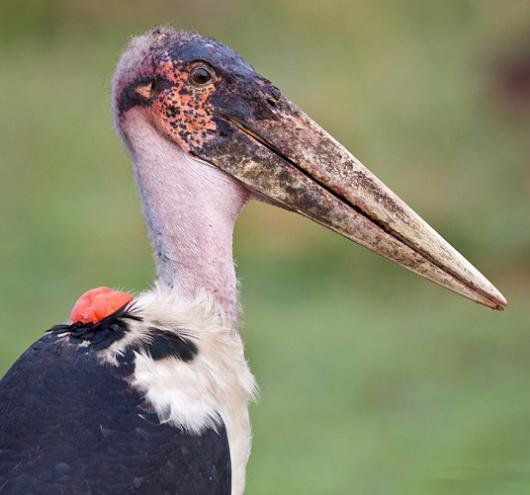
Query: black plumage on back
70, 424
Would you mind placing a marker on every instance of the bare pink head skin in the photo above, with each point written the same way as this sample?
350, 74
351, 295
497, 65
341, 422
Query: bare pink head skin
206, 134
190, 210
190, 206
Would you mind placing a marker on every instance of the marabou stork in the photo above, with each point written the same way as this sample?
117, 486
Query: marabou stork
149, 394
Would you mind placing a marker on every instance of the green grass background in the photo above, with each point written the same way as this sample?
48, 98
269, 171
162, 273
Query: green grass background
373, 381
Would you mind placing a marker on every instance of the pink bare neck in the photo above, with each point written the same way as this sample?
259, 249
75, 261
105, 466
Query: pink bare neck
190, 208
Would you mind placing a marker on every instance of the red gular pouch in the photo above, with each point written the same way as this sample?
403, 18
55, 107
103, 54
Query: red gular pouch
96, 304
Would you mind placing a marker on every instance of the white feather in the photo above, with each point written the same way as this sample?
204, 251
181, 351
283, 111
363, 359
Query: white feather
216, 384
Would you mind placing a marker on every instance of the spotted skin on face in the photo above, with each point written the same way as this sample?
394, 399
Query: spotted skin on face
184, 111
191, 115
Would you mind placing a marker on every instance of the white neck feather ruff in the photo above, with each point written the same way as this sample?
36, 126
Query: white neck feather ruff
215, 385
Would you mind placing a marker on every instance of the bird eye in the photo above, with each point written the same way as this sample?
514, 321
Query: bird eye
201, 75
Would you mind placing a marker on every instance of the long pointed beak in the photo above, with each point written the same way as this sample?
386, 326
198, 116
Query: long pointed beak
294, 162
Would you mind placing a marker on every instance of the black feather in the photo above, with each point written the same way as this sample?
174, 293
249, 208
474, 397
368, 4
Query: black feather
100, 334
70, 425
165, 344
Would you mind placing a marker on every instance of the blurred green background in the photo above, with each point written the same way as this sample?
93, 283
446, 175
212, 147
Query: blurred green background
373, 381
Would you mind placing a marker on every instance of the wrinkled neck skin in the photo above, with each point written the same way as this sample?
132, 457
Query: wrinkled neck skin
190, 210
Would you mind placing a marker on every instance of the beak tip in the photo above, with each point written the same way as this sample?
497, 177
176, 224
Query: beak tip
501, 304
497, 301
498, 306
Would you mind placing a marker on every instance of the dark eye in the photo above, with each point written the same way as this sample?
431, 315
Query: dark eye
201, 75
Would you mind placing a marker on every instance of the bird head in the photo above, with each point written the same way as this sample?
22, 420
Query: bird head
204, 98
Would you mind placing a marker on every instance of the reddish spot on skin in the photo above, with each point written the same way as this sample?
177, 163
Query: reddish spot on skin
96, 304
184, 112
